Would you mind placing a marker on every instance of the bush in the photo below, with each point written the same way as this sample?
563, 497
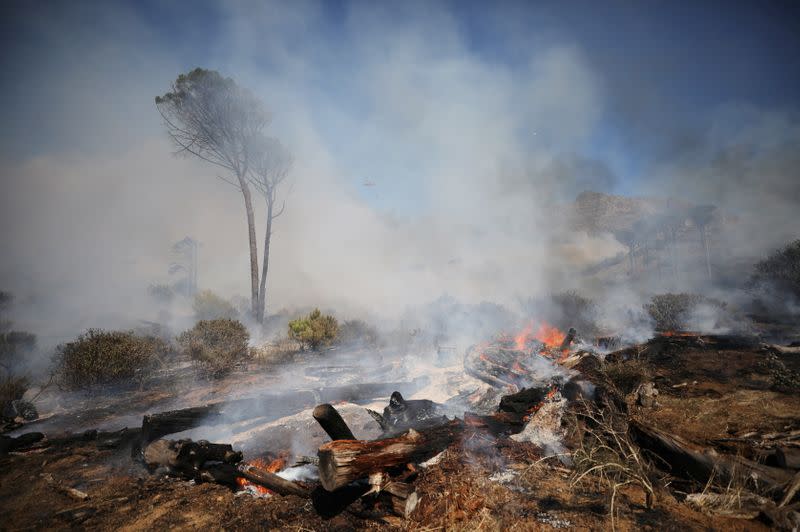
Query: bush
627, 375
574, 310
673, 312
357, 333
216, 346
275, 353
107, 357
781, 269
11, 389
314, 330
209, 306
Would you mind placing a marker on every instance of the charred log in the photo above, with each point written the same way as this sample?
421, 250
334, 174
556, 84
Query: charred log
402, 414
344, 461
187, 456
695, 462
568, 339
333, 424
8, 444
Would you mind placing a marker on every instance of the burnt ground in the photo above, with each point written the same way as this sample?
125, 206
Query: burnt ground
710, 390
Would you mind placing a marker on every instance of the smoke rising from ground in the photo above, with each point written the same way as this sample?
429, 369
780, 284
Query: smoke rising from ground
473, 162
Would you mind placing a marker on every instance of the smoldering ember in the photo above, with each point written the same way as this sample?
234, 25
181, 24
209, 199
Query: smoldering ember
422, 266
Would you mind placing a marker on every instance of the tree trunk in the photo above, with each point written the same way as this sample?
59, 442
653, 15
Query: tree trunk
262, 293
331, 421
251, 233
693, 461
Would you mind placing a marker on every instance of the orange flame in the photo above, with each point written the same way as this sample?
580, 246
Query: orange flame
273, 467
531, 411
547, 334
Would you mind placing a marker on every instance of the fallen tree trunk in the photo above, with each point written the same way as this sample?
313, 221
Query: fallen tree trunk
344, 461
692, 461
331, 421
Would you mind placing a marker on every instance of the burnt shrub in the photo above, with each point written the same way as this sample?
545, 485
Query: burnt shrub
627, 375
571, 309
216, 346
11, 389
675, 312
357, 333
314, 330
781, 269
107, 357
209, 306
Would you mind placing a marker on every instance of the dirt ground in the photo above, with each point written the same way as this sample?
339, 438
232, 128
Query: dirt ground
707, 393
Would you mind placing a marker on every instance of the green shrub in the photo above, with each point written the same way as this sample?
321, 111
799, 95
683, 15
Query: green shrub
107, 357
216, 346
672, 312
209, 306
782, 269
357, 333
314, 330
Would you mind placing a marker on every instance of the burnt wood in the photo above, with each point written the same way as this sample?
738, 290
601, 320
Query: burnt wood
332, 423
693, 461
344, 461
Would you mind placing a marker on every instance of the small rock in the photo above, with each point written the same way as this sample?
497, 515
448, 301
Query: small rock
646, 395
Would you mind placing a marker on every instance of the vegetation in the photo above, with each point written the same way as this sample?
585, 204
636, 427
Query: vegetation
275, 353
107, 357
209, 306
781, 269
627, 375
314, 330
673, 312
12, 388
357, 333
571, 309
214, 119
216, 346
606, 452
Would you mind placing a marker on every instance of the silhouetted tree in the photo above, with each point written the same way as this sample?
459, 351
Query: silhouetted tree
270, 168
217, 121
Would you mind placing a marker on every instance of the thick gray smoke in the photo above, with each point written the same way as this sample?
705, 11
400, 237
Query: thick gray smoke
473, 161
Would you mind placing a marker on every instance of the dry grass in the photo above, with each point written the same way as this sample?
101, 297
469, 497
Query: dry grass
627, 375
275, 353
607, 453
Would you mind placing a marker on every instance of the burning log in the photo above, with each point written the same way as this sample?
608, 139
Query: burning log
273, 482
333, 424
693, 461
344, 461
228, 474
